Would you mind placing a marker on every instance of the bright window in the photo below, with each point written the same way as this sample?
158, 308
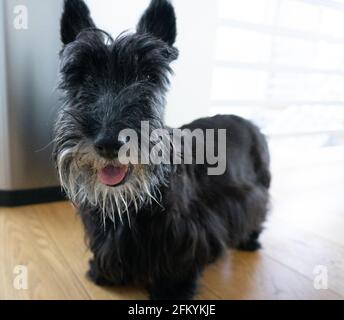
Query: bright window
281, 63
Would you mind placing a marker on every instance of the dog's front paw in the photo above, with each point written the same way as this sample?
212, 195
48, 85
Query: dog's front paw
95, 275
98, 279
173, 290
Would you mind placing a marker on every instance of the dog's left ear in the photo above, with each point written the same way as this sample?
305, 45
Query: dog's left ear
159, 20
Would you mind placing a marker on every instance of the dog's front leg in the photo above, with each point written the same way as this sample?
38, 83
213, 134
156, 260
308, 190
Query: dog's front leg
182, 287
105, 267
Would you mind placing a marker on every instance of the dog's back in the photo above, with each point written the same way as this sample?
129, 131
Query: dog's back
247, 154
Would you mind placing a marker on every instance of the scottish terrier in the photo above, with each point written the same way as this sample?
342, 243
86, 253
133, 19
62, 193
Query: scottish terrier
153, 224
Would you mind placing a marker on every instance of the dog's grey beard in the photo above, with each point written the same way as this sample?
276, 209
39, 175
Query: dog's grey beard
77, 168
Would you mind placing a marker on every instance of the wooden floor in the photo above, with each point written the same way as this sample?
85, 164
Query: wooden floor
305, 230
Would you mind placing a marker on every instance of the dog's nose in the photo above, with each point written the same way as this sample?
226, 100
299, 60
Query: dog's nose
107, 147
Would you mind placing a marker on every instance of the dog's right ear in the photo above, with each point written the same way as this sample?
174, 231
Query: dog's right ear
75, 18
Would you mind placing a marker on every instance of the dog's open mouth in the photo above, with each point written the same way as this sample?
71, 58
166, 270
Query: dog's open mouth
112, 175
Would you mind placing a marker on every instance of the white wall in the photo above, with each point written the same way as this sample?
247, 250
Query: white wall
189, 97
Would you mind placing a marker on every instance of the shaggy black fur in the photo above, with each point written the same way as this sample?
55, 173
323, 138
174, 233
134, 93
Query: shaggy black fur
119, 84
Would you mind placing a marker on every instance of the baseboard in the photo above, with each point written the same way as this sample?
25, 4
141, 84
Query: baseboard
34, 196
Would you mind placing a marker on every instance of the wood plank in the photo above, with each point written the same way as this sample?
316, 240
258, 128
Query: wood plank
304, 251
255, 276
23, 241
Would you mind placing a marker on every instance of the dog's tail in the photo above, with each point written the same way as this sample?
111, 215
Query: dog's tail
261, 156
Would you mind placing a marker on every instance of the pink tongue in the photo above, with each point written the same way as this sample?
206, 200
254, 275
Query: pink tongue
111, 175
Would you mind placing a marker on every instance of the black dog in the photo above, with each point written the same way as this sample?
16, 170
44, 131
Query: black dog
157, 225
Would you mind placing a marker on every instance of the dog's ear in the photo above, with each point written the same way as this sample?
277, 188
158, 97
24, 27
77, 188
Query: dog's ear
75, 18
159, 20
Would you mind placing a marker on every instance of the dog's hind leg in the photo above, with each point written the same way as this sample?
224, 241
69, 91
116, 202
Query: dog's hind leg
252, 243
